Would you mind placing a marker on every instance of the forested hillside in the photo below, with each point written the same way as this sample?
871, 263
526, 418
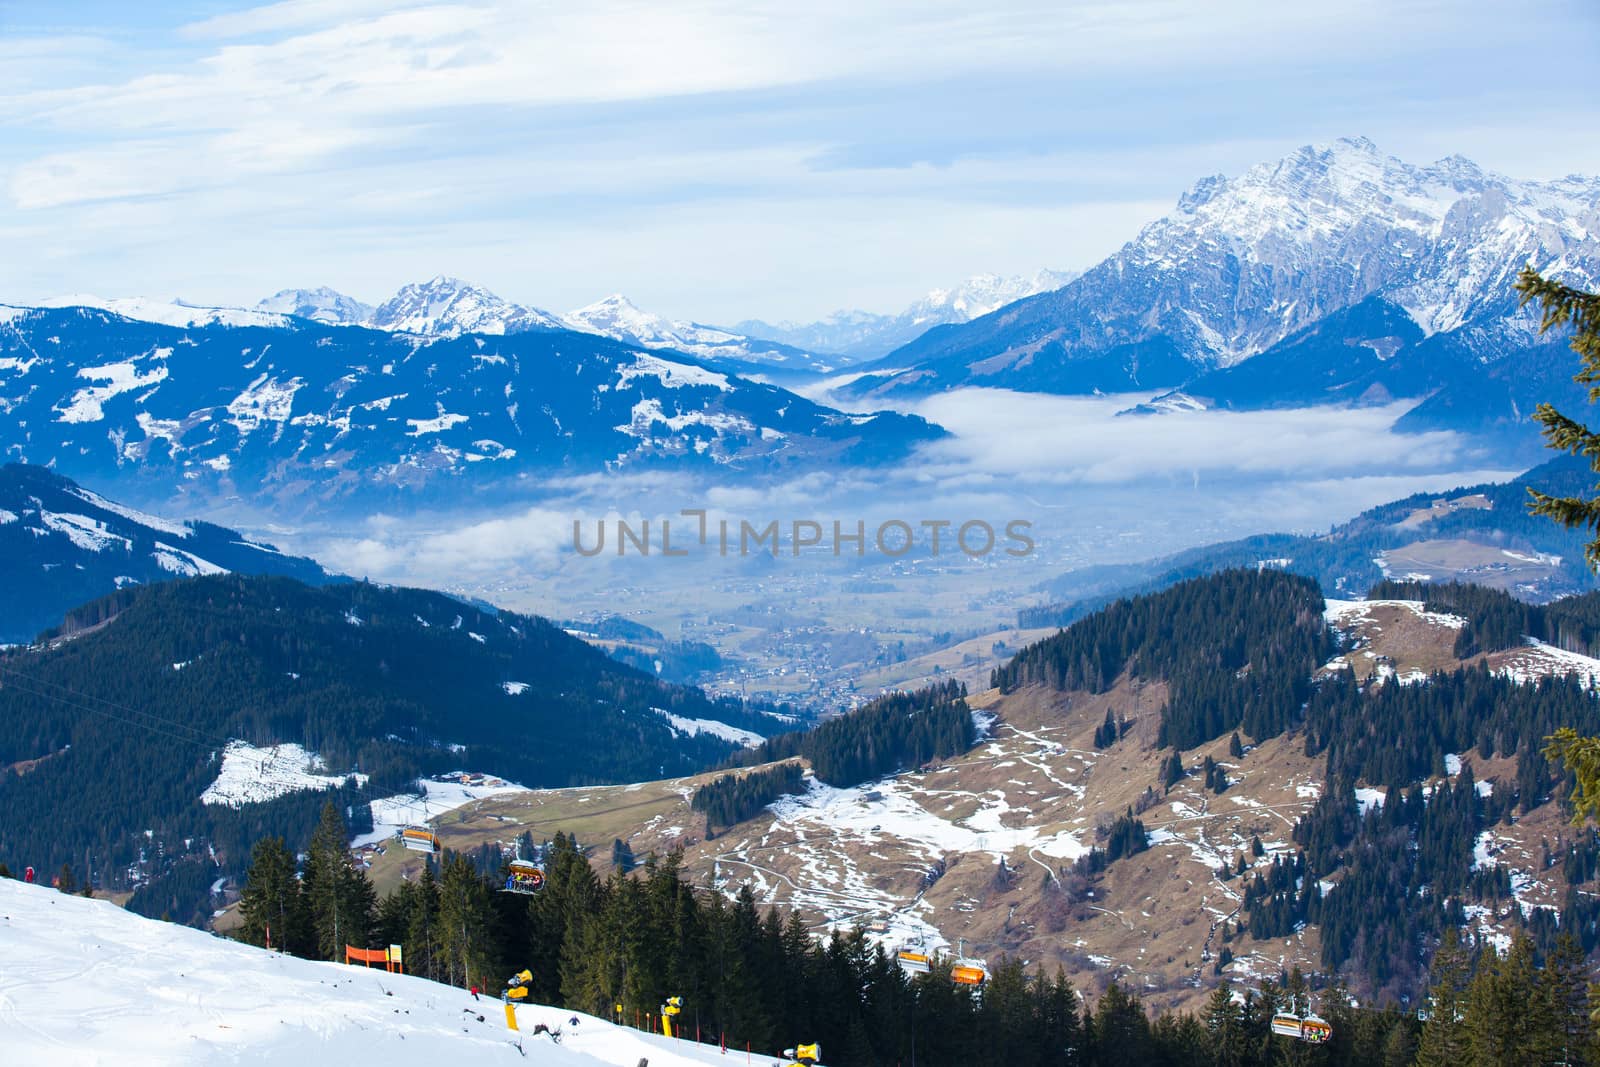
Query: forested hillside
111, 733
1392, 856
1237, 648
894, 732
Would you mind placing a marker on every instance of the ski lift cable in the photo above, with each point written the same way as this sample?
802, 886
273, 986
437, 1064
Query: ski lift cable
155, 718
103, 712
156, 723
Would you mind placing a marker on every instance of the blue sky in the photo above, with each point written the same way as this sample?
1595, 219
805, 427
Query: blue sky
714, 160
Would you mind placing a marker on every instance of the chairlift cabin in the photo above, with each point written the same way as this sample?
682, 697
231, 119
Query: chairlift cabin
966, 974
914, 962
420, 839
1310, 1029
523, 876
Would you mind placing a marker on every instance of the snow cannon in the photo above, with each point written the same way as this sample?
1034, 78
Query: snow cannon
669, 1011
518, 988
803, 1055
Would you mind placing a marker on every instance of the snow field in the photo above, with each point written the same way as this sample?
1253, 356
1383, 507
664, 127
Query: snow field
250, 775
83, 982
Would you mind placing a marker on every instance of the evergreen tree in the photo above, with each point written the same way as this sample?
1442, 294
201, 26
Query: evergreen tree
271, 903
1563, 999
1121, 1028
1563, 306
1399, 1045
339, 900
1224, 1022
1445, 1040
422, 925
1505, 1025
463, 925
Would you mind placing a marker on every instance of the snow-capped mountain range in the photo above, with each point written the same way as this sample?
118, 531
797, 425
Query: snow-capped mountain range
859, 335
449, 307
1334, 274
321, 305
296, 411
1244, 264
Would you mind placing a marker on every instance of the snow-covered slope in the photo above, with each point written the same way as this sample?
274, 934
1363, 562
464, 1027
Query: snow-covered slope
440, 795
169, 312
858, 335
84, 982
1242, 264
254, 775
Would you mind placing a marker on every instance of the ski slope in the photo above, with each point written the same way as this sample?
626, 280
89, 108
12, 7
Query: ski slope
84, 982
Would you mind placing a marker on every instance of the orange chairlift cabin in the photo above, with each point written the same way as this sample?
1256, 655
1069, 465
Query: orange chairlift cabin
967, 974
419, 839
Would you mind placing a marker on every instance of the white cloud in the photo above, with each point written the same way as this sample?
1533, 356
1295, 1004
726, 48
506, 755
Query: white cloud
785, 160
1053, 440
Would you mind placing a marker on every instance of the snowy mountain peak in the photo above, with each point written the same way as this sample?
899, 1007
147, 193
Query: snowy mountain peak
446, 306
1201, 192
1442, 241
321, 304
1244, 263
617, 317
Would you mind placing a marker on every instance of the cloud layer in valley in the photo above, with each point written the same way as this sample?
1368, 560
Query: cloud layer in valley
1070, 465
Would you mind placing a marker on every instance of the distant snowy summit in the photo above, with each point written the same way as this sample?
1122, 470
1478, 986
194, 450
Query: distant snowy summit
439, 307
320, 305
616, 317
857, 335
